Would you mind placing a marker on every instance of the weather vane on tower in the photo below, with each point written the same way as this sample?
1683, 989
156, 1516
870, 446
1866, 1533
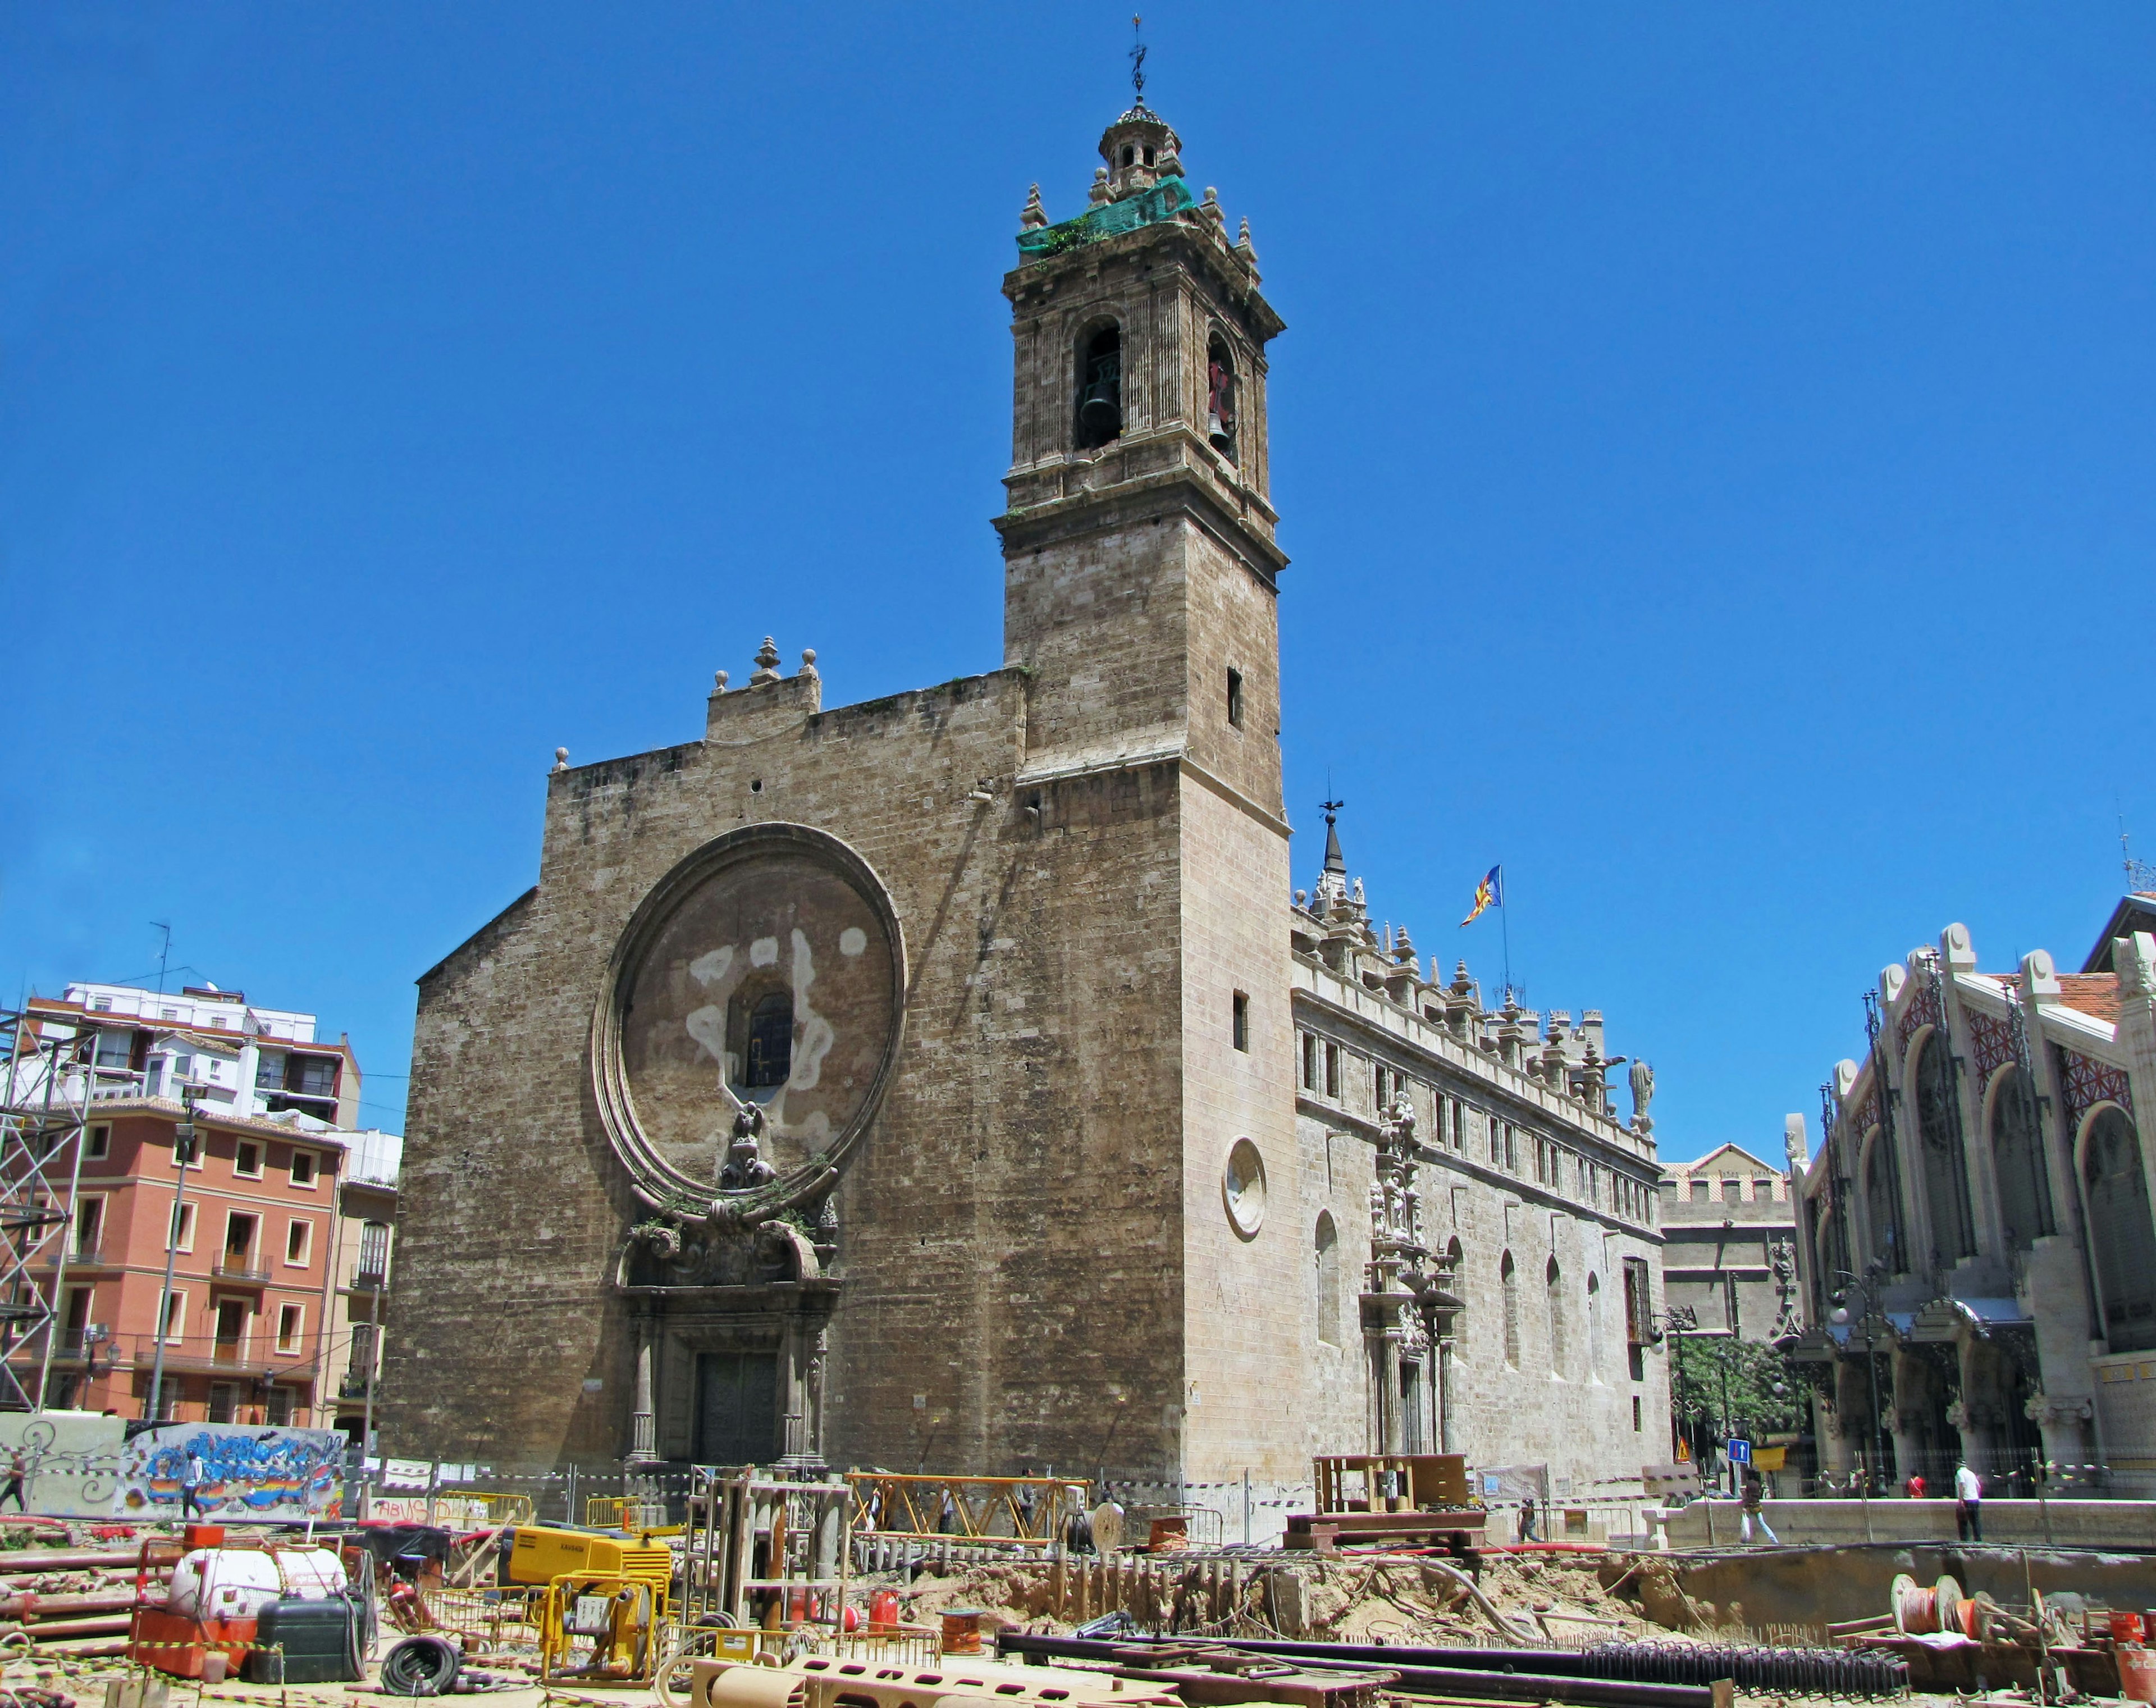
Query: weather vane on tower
1137, 58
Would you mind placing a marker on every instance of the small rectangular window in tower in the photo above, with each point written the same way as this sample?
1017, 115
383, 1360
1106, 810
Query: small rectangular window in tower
1636, 1414
1235, 697
1309, 1062
1242, 1021
1332, 1070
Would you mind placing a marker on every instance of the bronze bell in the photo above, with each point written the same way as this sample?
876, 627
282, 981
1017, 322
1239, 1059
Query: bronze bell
1101, 412
1221, 435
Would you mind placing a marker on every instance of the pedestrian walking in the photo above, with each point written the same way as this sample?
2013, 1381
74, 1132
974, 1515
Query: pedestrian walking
1755, 1492
1914, 1488
1968, 1500
1527, 1520
12, 1490
190, 1487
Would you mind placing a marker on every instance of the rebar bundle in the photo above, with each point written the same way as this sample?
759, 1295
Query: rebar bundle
1812, 1672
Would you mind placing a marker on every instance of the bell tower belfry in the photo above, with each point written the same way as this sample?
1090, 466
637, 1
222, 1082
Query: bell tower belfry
1141, 606
1141, 567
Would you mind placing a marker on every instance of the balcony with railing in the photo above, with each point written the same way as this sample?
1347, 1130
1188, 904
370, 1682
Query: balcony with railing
239, 1266
197, 1354
79, 1256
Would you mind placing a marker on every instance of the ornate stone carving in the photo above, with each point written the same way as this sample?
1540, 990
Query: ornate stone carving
745, 1169
667, 1253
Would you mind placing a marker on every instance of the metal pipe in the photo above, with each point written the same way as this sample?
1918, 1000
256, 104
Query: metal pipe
1420, 1679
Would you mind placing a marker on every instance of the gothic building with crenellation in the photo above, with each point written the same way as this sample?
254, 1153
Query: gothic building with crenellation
948, 1081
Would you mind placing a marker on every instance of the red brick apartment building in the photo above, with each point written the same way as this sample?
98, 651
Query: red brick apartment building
270, 1276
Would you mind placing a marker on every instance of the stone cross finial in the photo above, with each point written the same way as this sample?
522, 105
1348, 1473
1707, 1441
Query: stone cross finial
767, 663
561, 759
1036, 216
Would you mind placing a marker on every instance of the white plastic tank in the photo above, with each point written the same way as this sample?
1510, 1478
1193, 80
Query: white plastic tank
236, 1583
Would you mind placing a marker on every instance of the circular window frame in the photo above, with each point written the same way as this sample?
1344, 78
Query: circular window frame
1246, 1223
656, 1180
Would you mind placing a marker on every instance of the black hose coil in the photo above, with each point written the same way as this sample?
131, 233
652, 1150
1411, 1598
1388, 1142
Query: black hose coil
421, 1666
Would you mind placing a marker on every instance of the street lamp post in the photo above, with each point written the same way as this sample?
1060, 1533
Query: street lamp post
1675, 1322
183, 1153
1866, 1288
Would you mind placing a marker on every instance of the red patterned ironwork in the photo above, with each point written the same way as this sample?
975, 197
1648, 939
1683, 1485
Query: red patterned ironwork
2089, 1082
1921, 1009
1995, 1045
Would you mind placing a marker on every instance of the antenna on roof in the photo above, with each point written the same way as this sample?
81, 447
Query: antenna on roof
164, 954
1137, 59
2140, 875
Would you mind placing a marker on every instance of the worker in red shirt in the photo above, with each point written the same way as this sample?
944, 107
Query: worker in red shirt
1914, 1488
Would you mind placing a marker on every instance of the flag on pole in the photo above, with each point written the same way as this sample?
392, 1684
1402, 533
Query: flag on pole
1490, 892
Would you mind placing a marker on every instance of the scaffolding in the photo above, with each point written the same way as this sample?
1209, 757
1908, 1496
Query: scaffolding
52, 1079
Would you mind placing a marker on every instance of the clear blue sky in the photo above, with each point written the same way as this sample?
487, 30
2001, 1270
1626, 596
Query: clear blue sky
1714, 444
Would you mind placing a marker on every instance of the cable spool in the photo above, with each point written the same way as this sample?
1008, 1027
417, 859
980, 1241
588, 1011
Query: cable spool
1915, 1607
1947, 1603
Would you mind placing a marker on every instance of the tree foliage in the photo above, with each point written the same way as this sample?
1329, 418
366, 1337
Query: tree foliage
1714, 1380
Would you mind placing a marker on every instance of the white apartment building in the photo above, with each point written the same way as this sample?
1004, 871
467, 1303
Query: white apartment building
246, 1060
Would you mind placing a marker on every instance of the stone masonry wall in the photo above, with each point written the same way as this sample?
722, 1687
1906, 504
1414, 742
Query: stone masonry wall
1013, 1176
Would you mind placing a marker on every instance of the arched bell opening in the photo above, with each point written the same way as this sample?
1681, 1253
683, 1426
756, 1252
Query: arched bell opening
1100, 388
1220, 401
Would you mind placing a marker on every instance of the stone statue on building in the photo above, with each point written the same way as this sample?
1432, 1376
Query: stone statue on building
1643, 1093
745, 1167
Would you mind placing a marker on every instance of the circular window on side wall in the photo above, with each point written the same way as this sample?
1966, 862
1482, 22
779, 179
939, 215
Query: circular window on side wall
1243, 1188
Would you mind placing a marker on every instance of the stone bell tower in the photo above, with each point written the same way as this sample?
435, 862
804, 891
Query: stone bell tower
1141, 596
1140, 577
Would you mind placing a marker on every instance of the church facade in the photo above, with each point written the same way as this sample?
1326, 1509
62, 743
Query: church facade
915, 1082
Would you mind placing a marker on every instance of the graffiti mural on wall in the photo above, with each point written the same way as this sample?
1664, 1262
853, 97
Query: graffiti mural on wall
70, 1463
250, 1472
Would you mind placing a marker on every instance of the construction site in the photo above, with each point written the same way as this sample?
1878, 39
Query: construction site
769, 1589
915, 1207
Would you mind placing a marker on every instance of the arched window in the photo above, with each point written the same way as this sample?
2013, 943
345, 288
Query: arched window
1553, 1289
1884, 1238
1595, 1328
1946, 1169
1100, 388
1328, 1280
2017, 1157
2120, 1231
1508, 1283
1221, 397
770, 1054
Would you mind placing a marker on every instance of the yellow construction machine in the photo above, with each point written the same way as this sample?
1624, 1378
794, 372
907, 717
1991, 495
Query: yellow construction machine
607, 1600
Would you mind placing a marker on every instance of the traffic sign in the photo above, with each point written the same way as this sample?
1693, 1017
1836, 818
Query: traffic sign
1739, 1450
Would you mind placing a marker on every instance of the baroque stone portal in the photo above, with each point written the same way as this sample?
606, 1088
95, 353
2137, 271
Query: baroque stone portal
750, 1022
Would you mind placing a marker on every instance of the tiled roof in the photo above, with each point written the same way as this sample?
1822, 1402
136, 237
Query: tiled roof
2094, 993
